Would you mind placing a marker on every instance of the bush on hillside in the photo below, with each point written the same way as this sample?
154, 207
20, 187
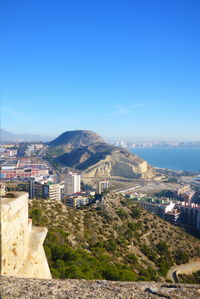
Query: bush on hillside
181, 257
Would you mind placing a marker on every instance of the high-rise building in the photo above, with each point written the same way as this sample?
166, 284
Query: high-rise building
39, 190
72, 183
51, 191
47, 191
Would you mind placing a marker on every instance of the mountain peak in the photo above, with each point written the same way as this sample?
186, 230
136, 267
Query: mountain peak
75, 139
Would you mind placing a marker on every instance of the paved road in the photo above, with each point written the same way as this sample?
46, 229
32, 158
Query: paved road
188, 268
129, 189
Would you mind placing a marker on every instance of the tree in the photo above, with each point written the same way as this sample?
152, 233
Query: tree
36, 215
162, 248
58, 252
135, 212
163, 266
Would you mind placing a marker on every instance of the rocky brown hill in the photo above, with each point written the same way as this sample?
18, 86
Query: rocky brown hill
105, 160
86, 151
70, 140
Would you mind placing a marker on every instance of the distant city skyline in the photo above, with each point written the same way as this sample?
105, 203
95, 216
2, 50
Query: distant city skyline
124, 69
46, 138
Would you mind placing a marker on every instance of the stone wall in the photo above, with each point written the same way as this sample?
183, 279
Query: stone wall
73, 289
22, 253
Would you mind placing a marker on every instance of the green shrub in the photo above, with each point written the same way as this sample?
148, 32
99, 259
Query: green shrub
134, 226
149, 252
122, 214
132, 258
36, 215
110, 245
181, 257
162, 248
135, 212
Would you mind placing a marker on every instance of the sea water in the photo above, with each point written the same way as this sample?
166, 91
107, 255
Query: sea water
176, 158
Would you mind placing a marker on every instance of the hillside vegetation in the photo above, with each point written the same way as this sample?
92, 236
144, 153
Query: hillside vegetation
193, 278
114, 239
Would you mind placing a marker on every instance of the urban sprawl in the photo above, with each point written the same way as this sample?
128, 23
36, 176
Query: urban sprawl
24, 166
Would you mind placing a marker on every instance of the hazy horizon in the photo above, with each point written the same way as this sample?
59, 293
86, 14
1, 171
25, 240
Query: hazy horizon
125, 70
108, 138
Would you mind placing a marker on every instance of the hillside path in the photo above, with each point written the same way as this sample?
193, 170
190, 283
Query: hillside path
188, 268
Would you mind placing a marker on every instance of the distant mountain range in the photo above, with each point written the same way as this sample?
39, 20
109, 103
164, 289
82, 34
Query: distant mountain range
6, 136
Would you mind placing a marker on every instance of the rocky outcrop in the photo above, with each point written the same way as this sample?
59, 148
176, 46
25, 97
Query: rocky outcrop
104, 160
22, 253
118, 165
70, 140
72, 289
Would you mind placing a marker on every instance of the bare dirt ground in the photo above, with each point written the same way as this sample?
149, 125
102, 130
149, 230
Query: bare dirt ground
148, 187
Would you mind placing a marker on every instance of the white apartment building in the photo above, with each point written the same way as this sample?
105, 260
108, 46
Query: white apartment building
47, 191
52, 191
102, 185
72, 183
77, 201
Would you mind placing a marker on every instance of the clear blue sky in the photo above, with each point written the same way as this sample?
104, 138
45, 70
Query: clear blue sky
127, 69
